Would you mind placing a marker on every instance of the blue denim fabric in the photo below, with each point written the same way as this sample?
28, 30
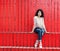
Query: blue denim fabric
40, 32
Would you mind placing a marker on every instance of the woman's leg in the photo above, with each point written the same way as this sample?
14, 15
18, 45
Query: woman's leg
39, 32
36, 43
42, 32
39, 36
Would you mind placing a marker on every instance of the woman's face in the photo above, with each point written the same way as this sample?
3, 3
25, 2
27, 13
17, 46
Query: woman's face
39, 13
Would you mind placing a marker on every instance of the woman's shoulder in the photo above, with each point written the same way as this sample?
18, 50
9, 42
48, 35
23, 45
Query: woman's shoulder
35, 17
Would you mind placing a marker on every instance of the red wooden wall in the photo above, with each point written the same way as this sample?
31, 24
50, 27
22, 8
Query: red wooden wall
17, 16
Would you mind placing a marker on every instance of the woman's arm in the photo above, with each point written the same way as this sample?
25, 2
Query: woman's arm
35, 22
33, 28
44, 26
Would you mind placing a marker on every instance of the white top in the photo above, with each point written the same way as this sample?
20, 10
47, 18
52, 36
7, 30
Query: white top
39, 22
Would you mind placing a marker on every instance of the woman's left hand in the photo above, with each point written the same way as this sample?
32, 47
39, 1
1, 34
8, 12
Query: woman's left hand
47, 32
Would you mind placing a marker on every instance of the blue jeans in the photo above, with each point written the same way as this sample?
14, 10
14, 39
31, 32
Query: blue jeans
40, 32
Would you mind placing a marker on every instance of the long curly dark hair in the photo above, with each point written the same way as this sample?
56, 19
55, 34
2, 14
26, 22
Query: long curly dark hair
42, 14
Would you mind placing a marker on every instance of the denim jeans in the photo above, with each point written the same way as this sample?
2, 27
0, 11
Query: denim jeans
40, 32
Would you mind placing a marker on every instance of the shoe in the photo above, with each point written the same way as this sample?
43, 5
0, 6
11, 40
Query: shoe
40, 45
36, 44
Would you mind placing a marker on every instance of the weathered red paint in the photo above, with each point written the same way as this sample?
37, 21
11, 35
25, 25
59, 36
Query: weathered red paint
17, 16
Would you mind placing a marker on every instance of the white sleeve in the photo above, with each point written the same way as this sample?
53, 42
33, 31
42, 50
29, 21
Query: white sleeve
44, 25
35, 21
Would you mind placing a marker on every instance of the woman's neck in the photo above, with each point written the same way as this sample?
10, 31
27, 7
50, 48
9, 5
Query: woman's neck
38, 16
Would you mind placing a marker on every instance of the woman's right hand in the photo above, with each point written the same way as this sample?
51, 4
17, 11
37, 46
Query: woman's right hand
32, 32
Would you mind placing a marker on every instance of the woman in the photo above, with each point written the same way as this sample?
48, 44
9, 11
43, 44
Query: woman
39, 27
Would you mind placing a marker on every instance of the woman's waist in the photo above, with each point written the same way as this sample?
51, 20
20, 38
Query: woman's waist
39, 28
